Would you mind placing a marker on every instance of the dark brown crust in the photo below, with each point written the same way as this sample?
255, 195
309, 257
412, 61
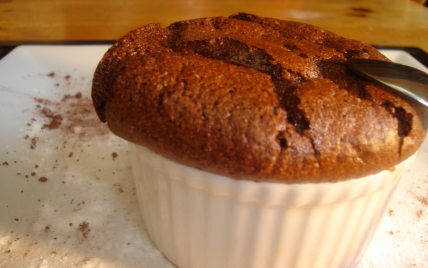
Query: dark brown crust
253, 98
139, 42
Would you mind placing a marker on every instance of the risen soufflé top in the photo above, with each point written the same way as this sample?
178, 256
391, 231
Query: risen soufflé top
253, 98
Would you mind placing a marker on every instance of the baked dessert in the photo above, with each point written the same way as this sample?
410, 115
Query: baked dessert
253, 98
220, 112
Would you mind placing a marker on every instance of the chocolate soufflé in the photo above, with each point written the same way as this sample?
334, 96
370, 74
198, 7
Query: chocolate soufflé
254, 98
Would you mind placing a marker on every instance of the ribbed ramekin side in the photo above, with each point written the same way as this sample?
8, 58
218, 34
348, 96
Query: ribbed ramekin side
368, 218
200, 220
138, 174
359, 221
156, 199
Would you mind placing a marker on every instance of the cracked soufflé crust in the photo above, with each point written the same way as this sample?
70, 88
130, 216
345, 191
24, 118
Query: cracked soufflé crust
253, 98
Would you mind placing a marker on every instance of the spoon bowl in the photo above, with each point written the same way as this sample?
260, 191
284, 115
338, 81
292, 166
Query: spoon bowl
407, 80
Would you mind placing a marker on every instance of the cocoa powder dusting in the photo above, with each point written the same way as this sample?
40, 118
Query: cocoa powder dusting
423, 200
55, 123
75, 120
84, 229
66, 97
47, 112
43, 101
74, 116
33, 143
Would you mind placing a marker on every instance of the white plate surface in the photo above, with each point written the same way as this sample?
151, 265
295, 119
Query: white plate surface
86, 214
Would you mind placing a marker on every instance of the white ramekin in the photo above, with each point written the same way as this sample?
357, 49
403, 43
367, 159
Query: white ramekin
203, 220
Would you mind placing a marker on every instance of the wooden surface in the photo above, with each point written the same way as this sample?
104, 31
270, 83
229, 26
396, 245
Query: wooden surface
378, 22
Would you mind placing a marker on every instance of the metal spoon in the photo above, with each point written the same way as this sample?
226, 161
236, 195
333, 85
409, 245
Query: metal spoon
405, 79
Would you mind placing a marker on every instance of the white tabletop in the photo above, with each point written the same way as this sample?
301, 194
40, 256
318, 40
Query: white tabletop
86, 213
